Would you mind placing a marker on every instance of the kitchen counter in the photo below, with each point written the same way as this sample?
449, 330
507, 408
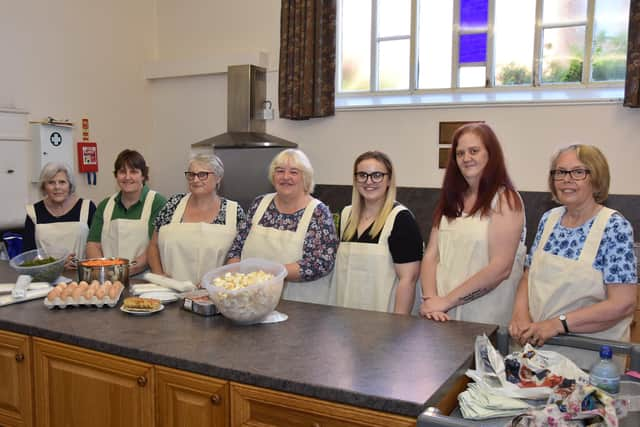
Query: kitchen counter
391, 363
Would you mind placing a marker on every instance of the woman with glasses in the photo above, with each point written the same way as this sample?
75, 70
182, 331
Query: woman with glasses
123, 223
380, 249
194, 231
293, 228
581, 272
474, 258
61, 219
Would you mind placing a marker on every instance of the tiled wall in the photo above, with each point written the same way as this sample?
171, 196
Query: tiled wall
422, 201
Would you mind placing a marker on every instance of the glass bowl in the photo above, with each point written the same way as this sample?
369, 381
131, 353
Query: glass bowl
250, 304
41, 273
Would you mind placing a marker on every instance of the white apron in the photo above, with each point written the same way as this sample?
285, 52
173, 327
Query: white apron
71, 236
364, 275
126, 238
559, 285
286, 247
189, 250
463, 247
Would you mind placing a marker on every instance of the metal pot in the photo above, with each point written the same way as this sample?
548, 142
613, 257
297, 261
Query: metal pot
108, 269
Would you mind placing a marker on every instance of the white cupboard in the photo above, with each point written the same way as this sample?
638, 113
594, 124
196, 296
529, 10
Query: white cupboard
14, 166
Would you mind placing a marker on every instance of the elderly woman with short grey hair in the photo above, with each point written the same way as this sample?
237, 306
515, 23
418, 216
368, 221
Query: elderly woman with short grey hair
292, 228
194, 231
61, 219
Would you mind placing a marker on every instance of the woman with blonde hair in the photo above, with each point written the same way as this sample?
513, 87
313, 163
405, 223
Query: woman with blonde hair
380, 249
293, 228
194, 231
581, 272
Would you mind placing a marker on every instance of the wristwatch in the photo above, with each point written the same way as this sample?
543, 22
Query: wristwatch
563, 320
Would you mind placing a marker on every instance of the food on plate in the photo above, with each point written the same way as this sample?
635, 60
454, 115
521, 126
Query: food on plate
38, 261
137, 303
232, 281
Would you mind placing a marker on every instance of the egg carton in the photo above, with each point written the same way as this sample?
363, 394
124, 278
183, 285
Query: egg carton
83, 302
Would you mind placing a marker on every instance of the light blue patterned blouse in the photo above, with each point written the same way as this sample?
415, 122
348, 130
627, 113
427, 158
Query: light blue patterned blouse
615, 258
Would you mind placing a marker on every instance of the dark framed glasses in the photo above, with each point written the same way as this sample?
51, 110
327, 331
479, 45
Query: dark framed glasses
376, 177
202, 175
575, 174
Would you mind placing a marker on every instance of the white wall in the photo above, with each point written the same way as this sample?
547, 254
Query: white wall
86, 58
81, 58
189, 109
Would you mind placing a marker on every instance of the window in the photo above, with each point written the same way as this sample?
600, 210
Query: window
422, 46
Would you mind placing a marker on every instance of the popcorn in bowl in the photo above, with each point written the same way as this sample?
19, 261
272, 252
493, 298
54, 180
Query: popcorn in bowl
248, 291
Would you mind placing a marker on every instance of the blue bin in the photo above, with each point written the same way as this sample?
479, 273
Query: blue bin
13, 242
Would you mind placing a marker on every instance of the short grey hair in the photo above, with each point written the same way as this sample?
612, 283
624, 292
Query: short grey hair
51, 169
297, 159
212, 160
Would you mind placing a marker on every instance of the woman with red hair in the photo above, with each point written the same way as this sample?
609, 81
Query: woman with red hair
474, 258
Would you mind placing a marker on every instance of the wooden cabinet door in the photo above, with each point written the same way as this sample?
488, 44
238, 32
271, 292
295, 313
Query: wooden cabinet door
16, 391
186, 399
254, 406
84, 388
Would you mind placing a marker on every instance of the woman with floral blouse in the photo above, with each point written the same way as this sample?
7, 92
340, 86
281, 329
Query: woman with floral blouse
292, 228
581, 276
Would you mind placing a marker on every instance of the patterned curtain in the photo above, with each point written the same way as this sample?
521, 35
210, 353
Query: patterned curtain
307, 59
632, 83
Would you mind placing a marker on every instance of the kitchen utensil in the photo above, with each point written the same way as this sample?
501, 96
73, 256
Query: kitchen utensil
250, 304
40, 273
103, 269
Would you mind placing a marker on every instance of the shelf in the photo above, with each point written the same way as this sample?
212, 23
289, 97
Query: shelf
203, 66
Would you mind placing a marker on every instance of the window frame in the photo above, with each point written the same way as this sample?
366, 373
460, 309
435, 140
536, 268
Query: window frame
413, 92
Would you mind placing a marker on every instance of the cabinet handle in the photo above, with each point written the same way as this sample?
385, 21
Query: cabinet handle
216, 399
19, 357
10, 171
142, 381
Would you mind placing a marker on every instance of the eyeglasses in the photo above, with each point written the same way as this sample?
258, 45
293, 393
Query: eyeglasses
202, 175
376, 177
576, 174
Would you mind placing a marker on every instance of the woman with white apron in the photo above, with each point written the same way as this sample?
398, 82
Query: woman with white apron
378, 260
193, 232
474, 257
582, 276
61, 219
292, 228
124, 221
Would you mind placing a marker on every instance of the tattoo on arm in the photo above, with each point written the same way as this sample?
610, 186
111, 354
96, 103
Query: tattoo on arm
473, 295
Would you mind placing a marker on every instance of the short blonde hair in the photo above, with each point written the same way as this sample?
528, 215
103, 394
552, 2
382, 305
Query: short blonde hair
297, 159
598, 167
50, 170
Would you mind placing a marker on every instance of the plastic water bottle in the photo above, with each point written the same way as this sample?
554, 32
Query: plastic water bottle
605, 374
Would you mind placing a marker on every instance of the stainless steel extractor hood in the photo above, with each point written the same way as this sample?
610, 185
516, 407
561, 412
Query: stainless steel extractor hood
246, 96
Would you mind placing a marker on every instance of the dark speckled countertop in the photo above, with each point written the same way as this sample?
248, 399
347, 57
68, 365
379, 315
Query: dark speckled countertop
379, 361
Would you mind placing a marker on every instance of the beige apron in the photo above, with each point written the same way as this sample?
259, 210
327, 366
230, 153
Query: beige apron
559, 285
286, 247
126, 238
189, 250
463, 251
71, 236
364, 275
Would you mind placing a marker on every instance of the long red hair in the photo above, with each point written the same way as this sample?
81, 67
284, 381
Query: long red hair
494, 177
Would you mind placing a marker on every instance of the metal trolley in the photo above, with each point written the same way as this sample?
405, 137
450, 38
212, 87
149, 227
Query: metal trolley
431, 417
